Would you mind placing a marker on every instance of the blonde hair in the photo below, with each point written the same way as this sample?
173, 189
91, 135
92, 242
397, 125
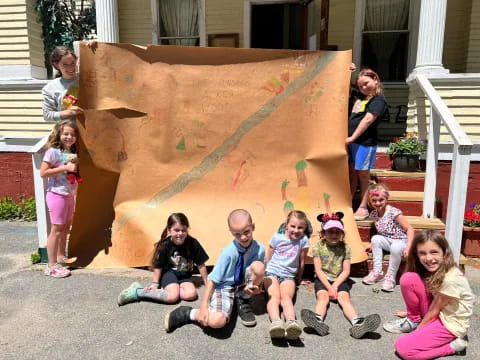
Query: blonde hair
54, 137
433, 280
376, 189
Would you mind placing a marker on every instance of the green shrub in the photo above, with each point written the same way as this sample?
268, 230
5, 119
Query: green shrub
24, 210
35, 258
8, 209
29, 210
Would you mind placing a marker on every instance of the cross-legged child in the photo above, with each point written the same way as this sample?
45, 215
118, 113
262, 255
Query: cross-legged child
331, 258
175, 256
238, 274
438, 298
394, 234
286, 260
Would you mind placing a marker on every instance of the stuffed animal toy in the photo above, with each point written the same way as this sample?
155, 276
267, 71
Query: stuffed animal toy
73, 176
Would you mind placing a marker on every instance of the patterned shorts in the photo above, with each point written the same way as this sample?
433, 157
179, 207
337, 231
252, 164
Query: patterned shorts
222, 301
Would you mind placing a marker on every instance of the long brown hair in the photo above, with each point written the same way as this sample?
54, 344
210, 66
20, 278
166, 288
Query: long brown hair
174, 218
54, 137
57, 54
433, 280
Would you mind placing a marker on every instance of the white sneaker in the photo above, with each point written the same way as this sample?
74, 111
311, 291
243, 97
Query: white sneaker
400, 326
459, 345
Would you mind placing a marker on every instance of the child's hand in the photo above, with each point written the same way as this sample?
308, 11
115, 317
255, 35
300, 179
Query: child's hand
253, 290
152, 286
349, 140
332, 293
406, 251
305, 282
202, 316
352, 67
74, 111
70, 167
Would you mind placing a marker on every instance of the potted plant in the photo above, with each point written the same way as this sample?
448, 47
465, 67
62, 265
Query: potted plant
405, 152
471, 231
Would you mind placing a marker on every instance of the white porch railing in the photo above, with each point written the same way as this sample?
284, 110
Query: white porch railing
462, 149
43, 221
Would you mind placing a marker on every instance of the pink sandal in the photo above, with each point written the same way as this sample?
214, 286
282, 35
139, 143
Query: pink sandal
57, 271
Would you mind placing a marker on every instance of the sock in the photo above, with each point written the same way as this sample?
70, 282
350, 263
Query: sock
319, 317
158, 295
356, 320
193, 314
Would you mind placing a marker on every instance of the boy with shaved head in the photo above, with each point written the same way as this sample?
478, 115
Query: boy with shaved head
237, 274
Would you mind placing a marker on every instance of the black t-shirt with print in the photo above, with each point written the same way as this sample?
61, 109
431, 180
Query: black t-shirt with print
175, 257
375, 105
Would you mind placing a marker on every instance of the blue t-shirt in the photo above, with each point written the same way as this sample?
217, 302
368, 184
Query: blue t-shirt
224, 270
286, 255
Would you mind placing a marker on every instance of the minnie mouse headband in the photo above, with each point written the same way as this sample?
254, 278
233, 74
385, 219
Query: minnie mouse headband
330, 221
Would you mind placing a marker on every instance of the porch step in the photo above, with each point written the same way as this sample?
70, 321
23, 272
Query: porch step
366, 228
397, 181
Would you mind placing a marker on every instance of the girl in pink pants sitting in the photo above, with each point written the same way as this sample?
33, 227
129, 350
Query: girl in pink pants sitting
438, 298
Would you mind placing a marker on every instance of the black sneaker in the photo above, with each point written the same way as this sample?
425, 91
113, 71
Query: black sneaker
311, 320
177, 318
365, 325
245, 310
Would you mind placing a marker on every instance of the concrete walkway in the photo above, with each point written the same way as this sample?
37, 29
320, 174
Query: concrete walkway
78, 318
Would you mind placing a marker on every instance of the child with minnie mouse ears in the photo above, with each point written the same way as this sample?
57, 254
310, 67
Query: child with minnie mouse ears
331, 259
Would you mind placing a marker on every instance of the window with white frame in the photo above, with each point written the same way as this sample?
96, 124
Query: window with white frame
385, 38
179, 22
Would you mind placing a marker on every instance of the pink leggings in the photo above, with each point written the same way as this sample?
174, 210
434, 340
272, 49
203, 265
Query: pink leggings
429, 341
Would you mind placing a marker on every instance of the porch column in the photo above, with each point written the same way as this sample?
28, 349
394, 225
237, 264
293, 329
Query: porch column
107, 21
431, 32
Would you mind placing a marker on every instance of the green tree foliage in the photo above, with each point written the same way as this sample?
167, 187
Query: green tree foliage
63, 23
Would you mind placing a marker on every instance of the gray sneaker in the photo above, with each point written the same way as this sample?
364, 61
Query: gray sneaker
277, 329
400, 326
292, 330
312, 320
367, 324
129, 295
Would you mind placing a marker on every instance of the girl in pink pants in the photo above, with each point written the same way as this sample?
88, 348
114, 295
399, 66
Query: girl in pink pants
438, 298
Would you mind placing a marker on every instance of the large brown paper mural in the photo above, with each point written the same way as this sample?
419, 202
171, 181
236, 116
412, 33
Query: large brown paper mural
204, 131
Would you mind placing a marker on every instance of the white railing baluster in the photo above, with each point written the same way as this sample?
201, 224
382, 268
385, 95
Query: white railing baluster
457, 195
432, 163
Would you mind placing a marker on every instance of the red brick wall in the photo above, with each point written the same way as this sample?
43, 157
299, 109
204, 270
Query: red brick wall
443, 183
16, 175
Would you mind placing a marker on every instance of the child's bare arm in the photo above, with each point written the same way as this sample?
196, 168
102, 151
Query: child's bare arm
269, 253
438, 303
317, 263
344, 274
203, 312
46, 170
301, 267
402, 220
202, 269
367, 120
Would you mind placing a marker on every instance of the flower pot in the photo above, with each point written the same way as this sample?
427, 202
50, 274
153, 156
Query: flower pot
471, 241
405, 162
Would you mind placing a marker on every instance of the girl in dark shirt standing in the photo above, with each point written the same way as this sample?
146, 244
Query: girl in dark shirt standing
362, 138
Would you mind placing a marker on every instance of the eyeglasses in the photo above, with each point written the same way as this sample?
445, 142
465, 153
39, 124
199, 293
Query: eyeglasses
246, 233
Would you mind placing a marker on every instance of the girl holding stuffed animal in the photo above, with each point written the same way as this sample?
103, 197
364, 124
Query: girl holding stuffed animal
60, 95
285, 263
175, 256
331, 259
438, 298
60, 193
394, 234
